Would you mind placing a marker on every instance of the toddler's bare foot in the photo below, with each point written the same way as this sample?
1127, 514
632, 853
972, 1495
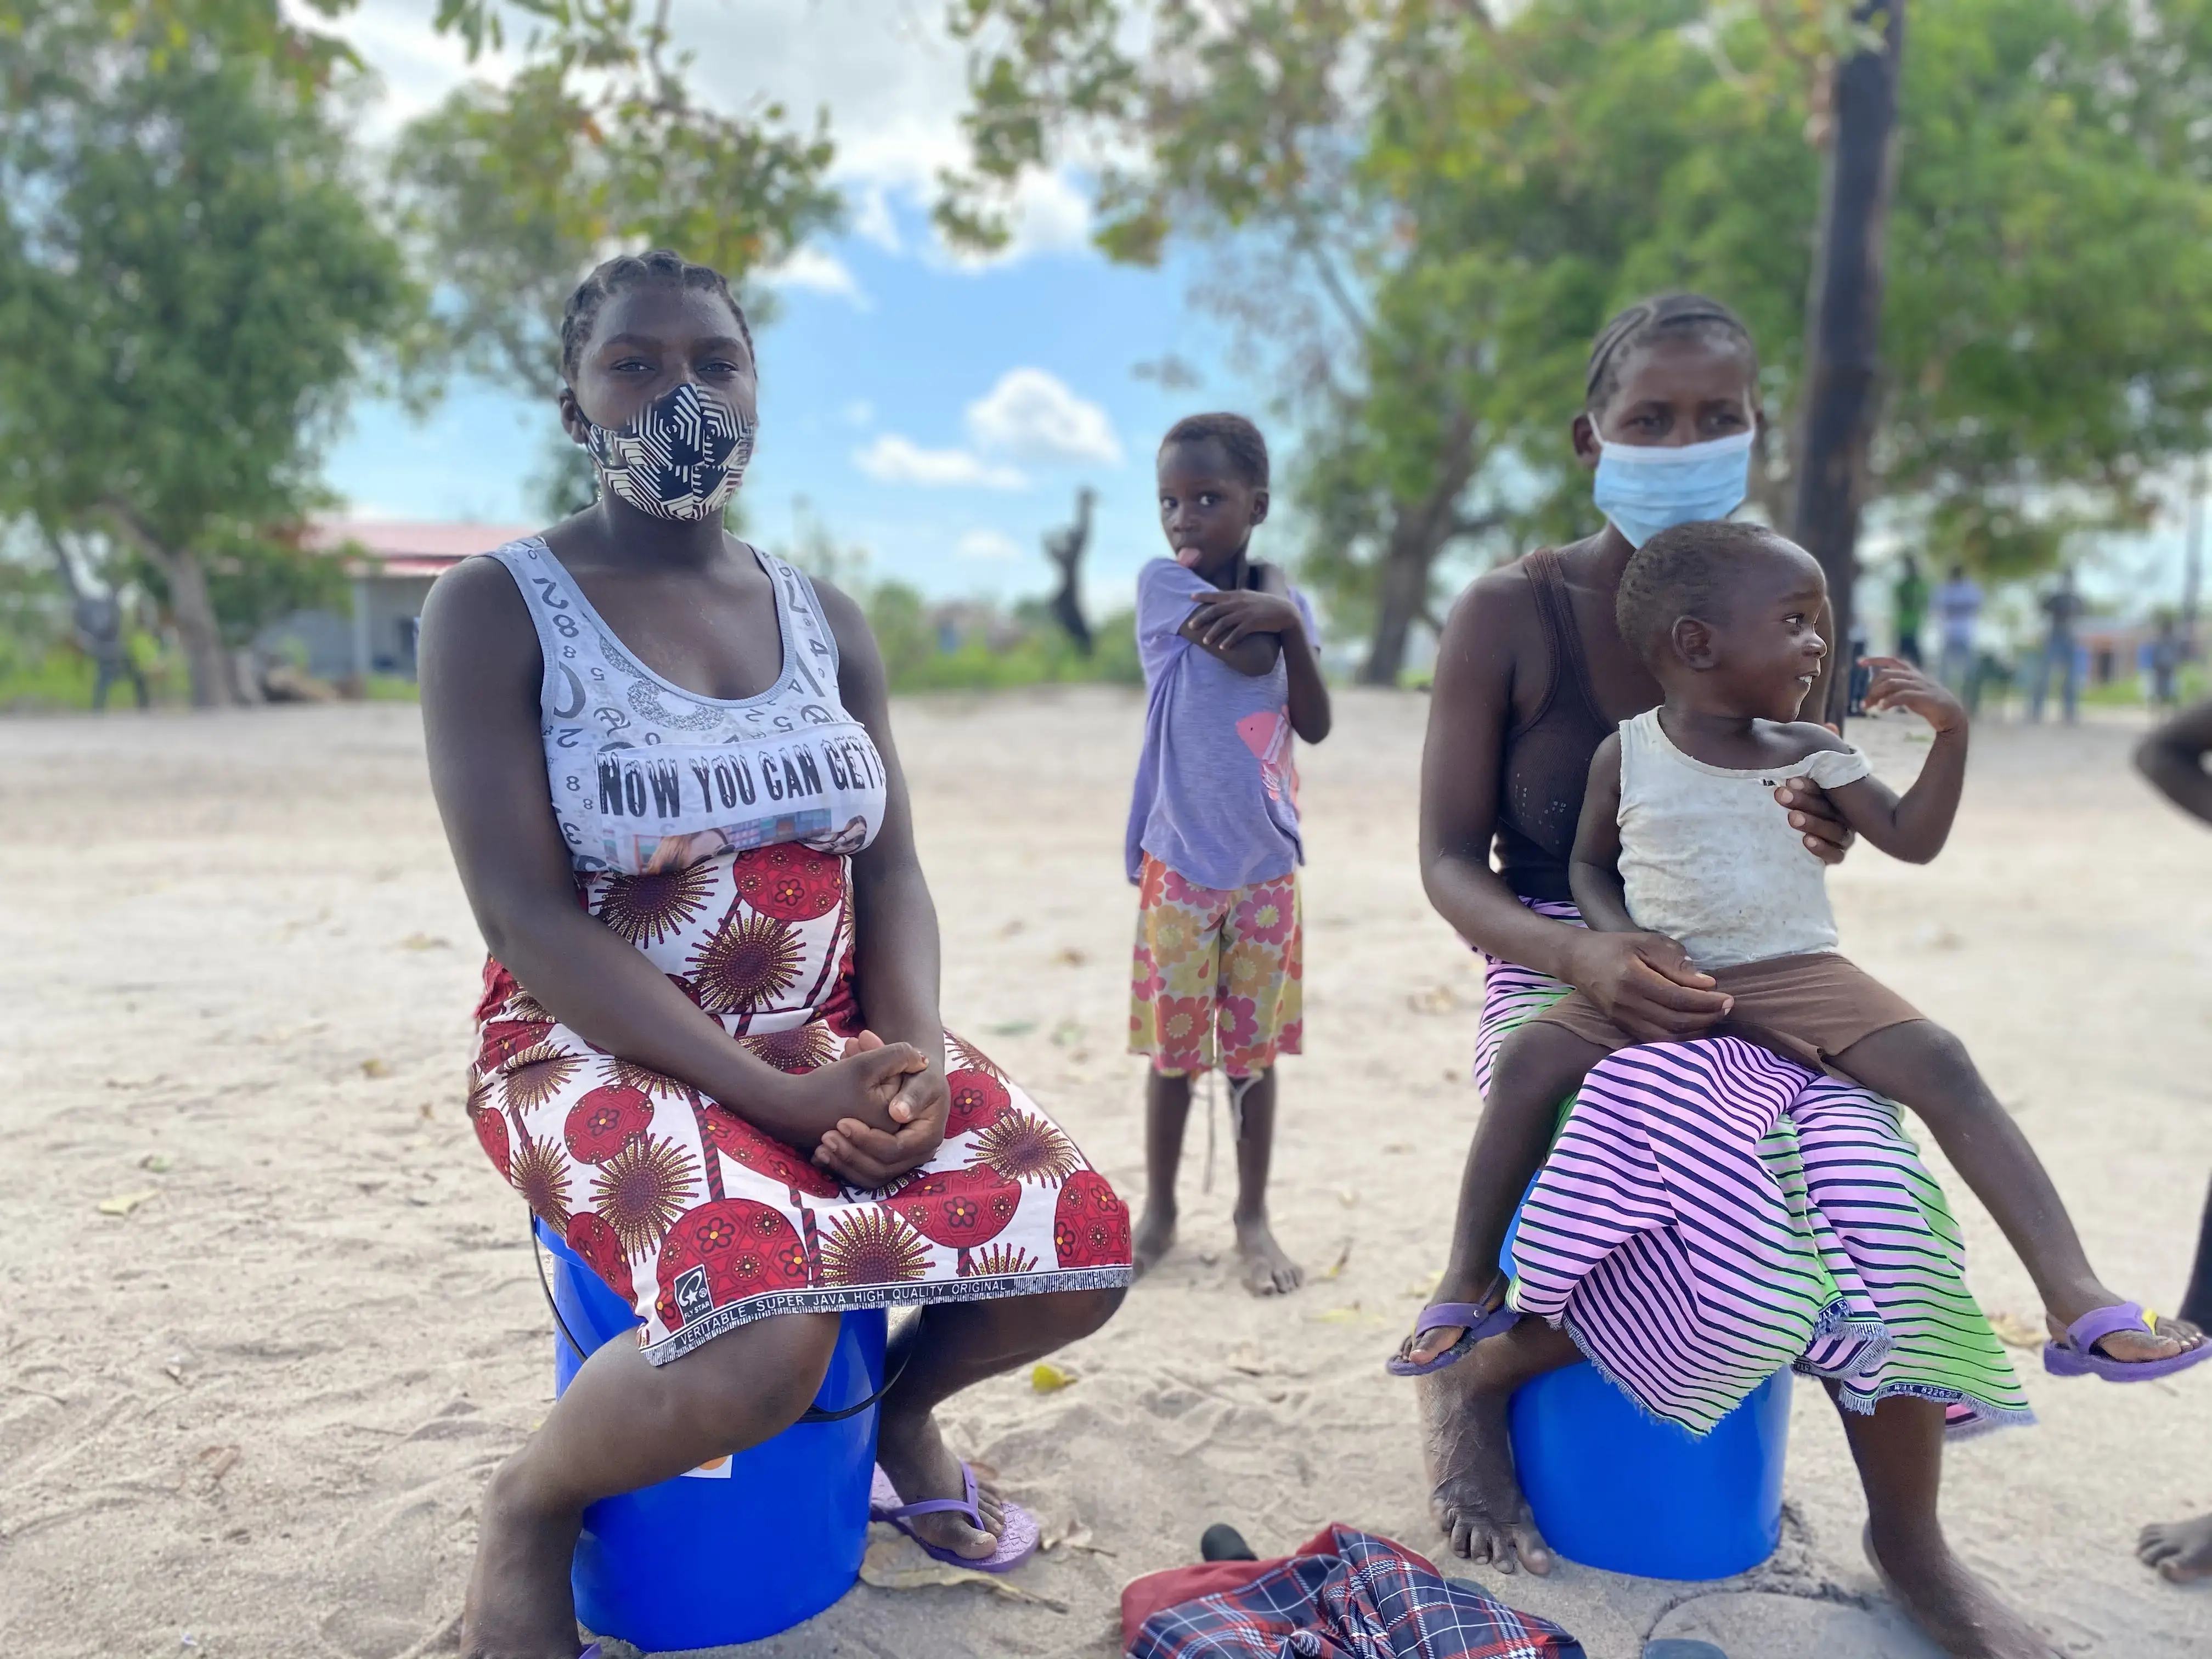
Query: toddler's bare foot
2131, 1347
518, 1604
2178, 1550
1154, 1238
921, 1466
1473, 1493
1420, 1350
1267, 1271
1957, 1610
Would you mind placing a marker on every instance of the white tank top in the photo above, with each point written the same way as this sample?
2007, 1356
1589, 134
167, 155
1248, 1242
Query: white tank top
648, 776
1708, 857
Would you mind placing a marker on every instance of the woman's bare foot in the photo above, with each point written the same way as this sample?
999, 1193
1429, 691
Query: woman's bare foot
519, 1604
1268, 1270
1154, 1238
1430, 1344
1472, 1492
2131, 1347
1955, 1609
920, 1467
2178, 1550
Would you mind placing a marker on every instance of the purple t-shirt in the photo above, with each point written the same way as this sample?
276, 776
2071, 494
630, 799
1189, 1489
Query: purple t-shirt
1217, 797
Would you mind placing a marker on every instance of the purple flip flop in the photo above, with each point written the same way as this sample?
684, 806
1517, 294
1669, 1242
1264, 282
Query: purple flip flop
593, 1651
1478, 1323
2077, 1355
1017, 1539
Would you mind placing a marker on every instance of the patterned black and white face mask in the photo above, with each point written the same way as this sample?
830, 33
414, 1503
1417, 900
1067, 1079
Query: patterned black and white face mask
681, 457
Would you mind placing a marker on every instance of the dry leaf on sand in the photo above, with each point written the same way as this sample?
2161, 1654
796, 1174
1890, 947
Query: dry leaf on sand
2016, 1332
124, 1203
1049, 1378
895, 1562
1074, 1535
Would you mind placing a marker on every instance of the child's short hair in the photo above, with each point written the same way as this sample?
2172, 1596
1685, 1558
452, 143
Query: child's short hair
1682, 572
1246, 449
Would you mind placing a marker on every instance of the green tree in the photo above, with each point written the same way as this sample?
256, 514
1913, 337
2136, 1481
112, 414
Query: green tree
190, 287
1444, 200
515, 191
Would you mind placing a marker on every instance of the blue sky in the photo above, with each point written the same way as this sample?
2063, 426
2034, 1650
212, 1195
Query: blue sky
940, 415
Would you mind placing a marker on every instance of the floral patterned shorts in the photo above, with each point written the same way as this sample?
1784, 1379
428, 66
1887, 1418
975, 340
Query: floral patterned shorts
1216, 970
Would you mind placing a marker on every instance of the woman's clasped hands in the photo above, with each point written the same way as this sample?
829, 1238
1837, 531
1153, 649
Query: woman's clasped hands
876, 1112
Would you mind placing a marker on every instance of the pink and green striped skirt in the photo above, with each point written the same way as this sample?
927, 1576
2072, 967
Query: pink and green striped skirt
1712, 1212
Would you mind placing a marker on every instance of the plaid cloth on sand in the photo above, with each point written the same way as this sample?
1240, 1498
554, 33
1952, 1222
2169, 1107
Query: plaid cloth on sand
1344, 1594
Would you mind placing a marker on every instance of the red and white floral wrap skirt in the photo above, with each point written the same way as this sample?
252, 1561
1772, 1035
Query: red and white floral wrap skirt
705, 1223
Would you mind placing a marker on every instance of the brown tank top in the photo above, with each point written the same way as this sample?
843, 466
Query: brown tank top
1545, 770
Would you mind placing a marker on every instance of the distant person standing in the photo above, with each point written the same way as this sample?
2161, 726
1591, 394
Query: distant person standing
1908, 607
2061, 609
2162, 656
100, 631
1958, 608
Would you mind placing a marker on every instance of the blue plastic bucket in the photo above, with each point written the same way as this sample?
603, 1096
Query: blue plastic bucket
1611, 1487
745, 1546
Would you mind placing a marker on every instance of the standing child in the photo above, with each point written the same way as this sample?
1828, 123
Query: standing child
1232, 672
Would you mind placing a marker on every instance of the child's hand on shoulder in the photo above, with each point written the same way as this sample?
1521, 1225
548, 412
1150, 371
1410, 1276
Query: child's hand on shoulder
1220, 620
1898, 685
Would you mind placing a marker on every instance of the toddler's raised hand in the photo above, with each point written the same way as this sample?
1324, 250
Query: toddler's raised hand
1898, 685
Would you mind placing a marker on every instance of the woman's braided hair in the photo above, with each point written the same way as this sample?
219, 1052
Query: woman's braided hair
1647, 320
627, 271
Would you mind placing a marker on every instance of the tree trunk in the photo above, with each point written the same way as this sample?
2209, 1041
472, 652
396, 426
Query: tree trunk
1401, 596
206, 662
1419, 531
1844, 325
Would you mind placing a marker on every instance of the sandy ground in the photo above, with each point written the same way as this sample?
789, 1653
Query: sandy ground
251, 1416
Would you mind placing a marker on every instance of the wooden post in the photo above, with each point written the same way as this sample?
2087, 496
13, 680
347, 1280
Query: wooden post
1843, 325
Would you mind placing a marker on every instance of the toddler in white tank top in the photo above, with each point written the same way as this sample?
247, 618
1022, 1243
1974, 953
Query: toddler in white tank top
1684, 843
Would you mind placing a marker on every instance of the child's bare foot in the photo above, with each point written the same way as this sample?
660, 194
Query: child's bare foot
1420, 1349
1472, 1492
519, 1603
1960, 1612
2179, 1550
921, 1466
2131, 1347
1153, 1238
1267, 1271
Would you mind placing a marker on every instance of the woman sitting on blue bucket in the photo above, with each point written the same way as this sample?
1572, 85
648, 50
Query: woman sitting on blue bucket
711, 1057
1532, 675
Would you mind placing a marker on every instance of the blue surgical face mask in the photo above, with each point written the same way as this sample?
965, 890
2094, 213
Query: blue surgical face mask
1647, 487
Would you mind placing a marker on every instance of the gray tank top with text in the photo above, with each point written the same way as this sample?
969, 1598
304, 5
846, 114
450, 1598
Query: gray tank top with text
647, 776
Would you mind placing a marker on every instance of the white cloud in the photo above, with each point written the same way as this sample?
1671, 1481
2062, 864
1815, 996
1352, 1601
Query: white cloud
987, 545
1033, 417
818, 272
859, 412
893, 459
1049, 214
872, 219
